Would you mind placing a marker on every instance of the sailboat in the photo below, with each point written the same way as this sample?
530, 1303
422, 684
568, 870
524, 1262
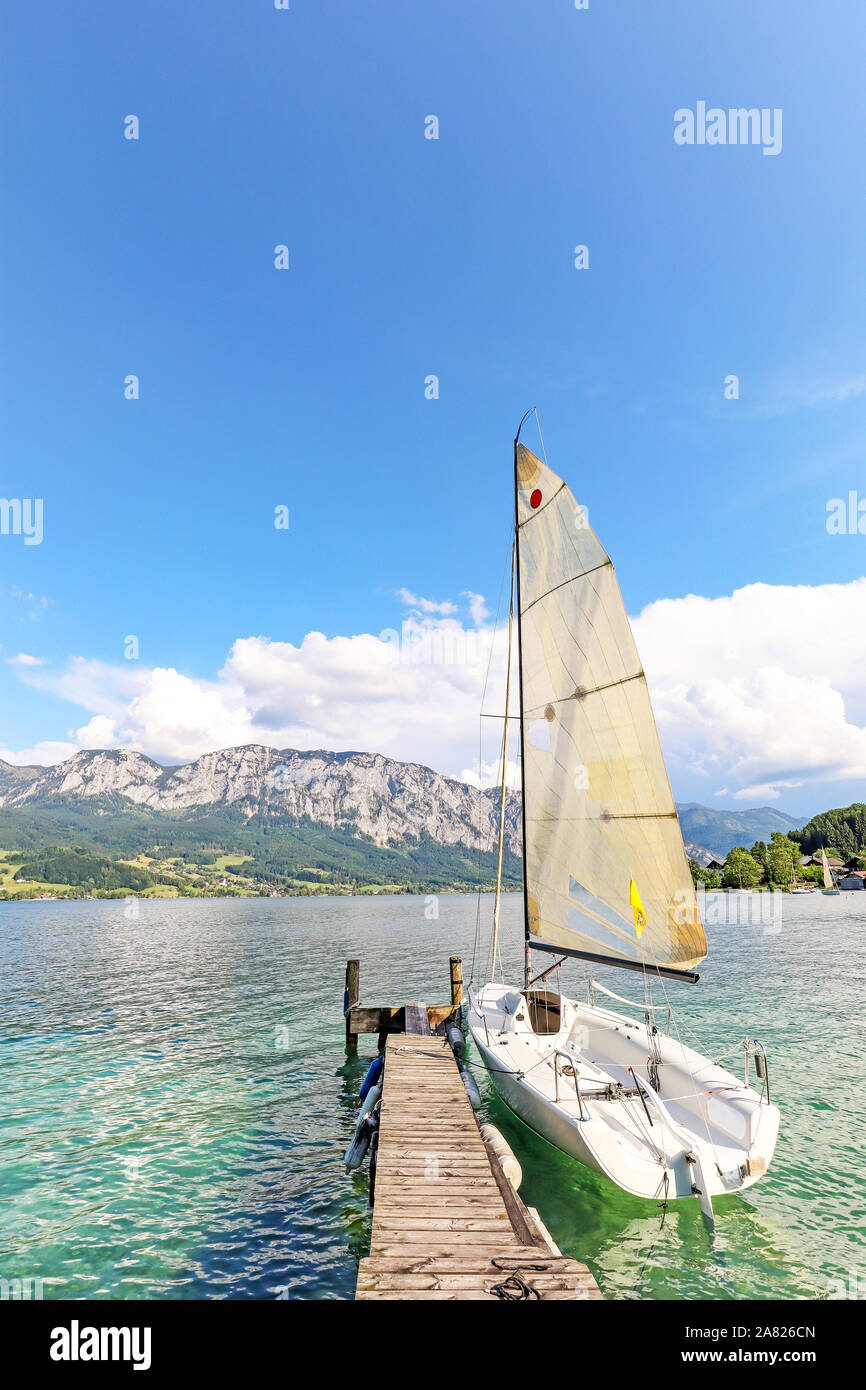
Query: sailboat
829, 890
606, 880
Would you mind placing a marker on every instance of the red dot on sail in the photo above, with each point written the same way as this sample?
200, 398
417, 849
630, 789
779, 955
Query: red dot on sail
535, 499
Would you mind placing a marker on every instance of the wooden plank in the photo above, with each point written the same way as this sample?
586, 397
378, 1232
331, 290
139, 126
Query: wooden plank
444, 1221
471, 1262
436, 1248
414, 1240
452, 1294
518, 1215
455, 1188
389, 1200
372, 1019
542, 1283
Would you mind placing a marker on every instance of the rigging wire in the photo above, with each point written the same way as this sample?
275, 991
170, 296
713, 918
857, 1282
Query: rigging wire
497, 904
477, 941
664, 1210
700, 1096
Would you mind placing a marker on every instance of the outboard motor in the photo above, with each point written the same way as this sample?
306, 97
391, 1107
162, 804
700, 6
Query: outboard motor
356, 1152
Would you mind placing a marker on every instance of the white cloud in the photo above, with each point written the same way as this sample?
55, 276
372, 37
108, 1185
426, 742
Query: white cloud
489, 774
757, 692
414, 694
41, 754
25, 659
764, 688
93, 685
478, 610
425, 605
768, 791
99, 732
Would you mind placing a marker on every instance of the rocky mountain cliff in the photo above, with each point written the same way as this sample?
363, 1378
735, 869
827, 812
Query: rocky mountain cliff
388, 801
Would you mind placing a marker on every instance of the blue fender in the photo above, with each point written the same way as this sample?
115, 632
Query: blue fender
373, 1072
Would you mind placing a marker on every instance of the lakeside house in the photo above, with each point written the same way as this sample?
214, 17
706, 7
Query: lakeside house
853, 880
835, 864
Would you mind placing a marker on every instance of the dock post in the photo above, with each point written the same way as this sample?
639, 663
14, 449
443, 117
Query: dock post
456, 982
350, 999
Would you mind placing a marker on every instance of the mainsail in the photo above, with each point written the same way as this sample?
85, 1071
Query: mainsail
600, 823
828, 877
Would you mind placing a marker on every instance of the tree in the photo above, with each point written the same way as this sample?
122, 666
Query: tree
783, 860
741, 869
780, 860
845, 828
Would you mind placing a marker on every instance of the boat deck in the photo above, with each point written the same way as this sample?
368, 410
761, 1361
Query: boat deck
446, 1222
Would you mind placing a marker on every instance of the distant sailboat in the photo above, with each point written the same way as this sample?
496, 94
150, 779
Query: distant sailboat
829, 890
606, 879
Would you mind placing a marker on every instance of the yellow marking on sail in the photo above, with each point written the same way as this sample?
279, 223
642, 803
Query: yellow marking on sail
639, 914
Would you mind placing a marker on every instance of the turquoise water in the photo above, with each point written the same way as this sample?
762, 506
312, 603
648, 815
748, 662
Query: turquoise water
175, 1099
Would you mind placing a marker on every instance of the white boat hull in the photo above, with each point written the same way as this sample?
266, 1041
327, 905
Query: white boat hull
702, 1132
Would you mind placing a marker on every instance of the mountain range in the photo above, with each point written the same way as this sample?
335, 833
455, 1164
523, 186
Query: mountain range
374, 814
355, 816
712, 833
384, 800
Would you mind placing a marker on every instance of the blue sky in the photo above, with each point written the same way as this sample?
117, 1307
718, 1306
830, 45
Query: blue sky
411, 257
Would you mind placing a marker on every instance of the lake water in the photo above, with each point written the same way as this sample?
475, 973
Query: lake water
175, 1098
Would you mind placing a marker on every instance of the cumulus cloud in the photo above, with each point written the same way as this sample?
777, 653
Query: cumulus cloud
413, 693
478, 610
25, 659
40, 754
758, 692
489, 774
763, 689
425, 605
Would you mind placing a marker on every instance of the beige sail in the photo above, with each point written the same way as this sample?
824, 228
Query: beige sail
828, 877
599, 817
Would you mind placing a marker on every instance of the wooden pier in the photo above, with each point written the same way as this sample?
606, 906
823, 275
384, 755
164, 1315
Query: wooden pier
447, 1223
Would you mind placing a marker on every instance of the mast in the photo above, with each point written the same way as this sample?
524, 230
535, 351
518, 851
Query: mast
494, 944
527, 968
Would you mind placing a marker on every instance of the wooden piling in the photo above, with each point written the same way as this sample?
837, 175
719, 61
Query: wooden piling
456, 964
350, 1002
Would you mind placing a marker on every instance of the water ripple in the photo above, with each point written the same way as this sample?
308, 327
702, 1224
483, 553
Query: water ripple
175, 1101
